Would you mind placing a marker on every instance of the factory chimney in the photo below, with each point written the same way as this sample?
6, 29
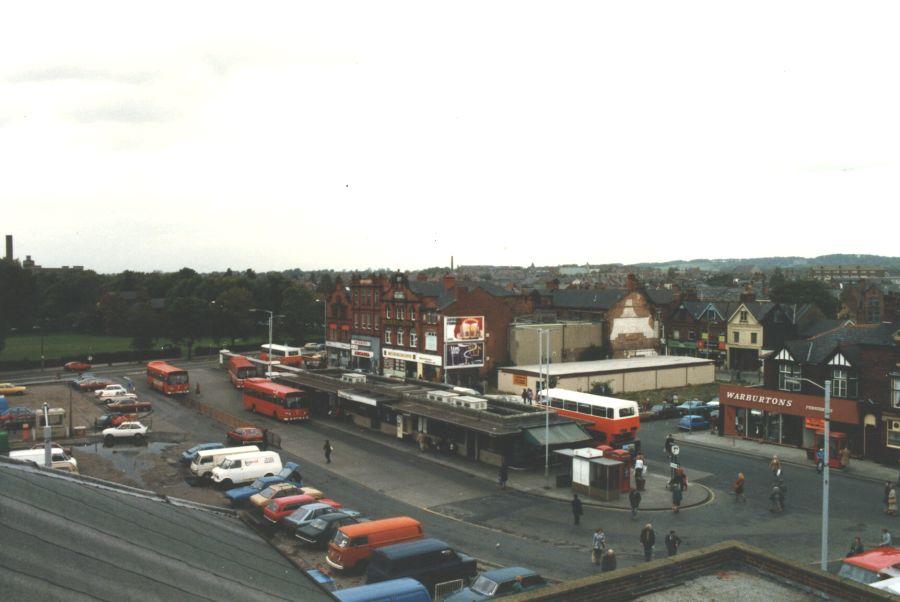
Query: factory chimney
9, 249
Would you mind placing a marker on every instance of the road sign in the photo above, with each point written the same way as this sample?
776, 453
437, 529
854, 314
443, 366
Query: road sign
675, 450
673, 464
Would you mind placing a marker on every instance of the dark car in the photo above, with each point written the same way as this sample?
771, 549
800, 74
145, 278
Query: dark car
664, 410
108, 420
320, 530
246, 435
498, 583
428, 561
16, 417
76, 366
91, 383
128, 406
692, 406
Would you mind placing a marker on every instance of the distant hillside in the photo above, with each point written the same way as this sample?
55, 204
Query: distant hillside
770, 263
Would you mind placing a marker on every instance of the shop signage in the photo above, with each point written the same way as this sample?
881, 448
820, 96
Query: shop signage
361, 353
520, 379
337, 345
360, 343
412, 356
815, 424
782, 402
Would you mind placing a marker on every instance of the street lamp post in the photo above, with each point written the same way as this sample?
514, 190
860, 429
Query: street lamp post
271, 319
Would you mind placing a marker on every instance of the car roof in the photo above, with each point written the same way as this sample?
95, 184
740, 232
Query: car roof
280, 486
289, 499
412, 548
375, 525
876, 559
508, 573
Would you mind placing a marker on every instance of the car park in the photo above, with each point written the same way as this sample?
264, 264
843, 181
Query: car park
429, 561
319, 531
11, 389
290, 473
246, 468
77, 366
188, 454
664, 410
130, 406
499, 583
126, 430
246, 435
278, 510
692, 406
693, 422
17, 416
273, 492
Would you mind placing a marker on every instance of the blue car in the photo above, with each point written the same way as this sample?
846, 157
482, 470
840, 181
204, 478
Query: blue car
290, 473
188, 455
498, 583
693, 422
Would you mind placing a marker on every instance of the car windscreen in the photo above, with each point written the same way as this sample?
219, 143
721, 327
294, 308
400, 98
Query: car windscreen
258, 484
858, 574
267, 492
319, 524
484, 586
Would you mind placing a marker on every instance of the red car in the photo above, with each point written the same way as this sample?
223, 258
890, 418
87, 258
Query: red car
246, 435
121, 406
92, 384
77, 366
283, 507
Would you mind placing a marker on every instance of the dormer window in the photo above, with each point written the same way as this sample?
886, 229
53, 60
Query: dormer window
789, 376
844, 383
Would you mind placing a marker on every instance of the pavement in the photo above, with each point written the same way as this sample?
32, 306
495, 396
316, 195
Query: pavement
860, 469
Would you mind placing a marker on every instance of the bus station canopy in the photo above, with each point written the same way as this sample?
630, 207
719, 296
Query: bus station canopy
559, 434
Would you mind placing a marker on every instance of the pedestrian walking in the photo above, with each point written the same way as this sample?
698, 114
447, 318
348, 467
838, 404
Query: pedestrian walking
892, 501
856, 547
634, 499
673, 542
775, 464
739, 488
327, 449
577, 510
845, 457
530, 396
598, 546
676, 499
887, 494
777, 499
680, 479
670, 441
886, 538
525, 396
503, 475
820, 461
640, 472
648, 540
609, 561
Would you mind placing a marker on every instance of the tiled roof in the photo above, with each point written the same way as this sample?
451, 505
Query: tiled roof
660, 296
426, 288
595, 299
759, 310
816, 349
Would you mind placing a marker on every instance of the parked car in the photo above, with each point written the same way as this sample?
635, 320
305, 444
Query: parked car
91, 383
277, 511
321, 529
875, 565
126, 430
273, 492
429, 561
289, 473
664, 410
77, 366
188, 454
246, 435
11, 389
108, 420
693, 422
17, 416
307, 513
498, 583
112, 390
692, 406
125, 405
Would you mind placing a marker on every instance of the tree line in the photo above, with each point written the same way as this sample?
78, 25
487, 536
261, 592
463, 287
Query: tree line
182, 306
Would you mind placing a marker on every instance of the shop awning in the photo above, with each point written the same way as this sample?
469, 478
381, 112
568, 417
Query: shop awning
560, 434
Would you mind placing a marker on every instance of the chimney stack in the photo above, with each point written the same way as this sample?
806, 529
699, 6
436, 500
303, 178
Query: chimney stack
631, 283
449, 281
9, 249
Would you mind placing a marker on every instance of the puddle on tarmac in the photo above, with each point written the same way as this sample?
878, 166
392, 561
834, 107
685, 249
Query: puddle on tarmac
128, 458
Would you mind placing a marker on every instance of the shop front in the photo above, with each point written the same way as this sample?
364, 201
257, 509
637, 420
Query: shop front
410, 364
786, 418
365, 352
338, 354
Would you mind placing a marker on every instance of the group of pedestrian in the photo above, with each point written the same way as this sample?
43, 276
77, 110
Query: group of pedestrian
527, 396
605, 556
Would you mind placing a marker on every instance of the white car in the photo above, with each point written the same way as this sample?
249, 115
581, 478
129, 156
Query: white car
126, 430
113, 391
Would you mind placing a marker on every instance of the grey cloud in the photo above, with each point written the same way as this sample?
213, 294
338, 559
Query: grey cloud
70, 72
123, 112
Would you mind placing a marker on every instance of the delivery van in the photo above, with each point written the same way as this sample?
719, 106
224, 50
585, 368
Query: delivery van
353, 544
58, 457
396, 590
205, 460
237, 469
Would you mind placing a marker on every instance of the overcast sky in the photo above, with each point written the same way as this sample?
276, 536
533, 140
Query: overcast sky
378, 133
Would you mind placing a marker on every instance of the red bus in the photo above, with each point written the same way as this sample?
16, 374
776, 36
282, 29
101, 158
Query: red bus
612, 421
167, 378
271, 399
287, 356
240, 369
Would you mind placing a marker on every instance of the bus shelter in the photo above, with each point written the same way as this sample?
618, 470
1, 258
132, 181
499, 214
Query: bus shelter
596, 476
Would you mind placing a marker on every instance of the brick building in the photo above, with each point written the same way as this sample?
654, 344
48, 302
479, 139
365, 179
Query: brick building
699, 329
871, 302
339, 320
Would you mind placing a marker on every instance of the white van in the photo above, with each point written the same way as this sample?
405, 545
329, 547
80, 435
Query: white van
204, 461
58, 457
246, 468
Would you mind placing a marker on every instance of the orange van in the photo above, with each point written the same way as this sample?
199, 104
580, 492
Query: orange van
353, 544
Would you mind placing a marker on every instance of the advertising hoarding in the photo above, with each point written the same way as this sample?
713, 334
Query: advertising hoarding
463, 328
465, 355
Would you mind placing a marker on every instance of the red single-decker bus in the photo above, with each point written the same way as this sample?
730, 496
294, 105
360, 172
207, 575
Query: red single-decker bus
271, 399
167, 378
239, 370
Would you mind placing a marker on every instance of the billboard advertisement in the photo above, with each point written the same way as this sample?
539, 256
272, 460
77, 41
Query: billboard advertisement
463, 328
465, 355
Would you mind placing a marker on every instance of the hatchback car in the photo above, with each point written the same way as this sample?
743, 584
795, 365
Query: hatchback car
308, 513
664, 410
498, 583
246, 435
321, 530
76, 366
693, 422
259, 500
277, 510
11, 389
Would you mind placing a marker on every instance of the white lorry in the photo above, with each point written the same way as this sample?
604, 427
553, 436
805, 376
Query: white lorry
246, 468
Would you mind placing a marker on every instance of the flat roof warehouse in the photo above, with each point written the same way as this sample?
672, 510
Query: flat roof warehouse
609, 366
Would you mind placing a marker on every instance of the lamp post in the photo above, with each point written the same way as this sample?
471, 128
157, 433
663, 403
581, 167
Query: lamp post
826, 445
546, 396
271, 319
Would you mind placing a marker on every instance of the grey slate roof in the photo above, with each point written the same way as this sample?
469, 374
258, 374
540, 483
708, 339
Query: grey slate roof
817, 349
426, 288
660, 296
579, 299
71, 538
818, 327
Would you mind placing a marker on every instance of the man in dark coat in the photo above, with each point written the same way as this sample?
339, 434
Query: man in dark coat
503, 475
648, 540
577, 510
327, 449
672, 543
634, 499
608, 563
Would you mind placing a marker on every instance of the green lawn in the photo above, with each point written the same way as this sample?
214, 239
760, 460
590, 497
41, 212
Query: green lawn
24, 347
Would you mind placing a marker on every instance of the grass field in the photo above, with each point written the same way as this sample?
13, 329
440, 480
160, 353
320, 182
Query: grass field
28, 347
